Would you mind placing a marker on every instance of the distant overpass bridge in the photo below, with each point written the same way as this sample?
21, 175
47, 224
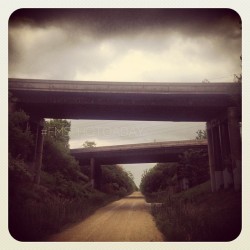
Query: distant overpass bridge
218, 104
132, 153
137, 153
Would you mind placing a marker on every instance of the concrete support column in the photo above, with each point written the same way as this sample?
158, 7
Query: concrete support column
211, 156
98, 177
219, 181
38, 151
34, 129
96, 174
225, 155
235, 144
92, 172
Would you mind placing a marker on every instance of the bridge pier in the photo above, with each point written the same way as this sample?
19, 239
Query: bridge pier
211, 156
219, 181
225, 154
96, 174
235, 144
38, 125
224, 149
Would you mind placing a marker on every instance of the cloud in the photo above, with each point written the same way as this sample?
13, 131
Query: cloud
124, 45
154, 45
115, 22
107, 133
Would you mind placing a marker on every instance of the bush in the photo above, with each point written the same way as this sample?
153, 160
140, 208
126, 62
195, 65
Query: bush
199, 215
20, 137
116, 181
18, 172
159, 178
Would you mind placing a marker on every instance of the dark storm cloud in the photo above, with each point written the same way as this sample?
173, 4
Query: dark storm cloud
77, 43
107, 22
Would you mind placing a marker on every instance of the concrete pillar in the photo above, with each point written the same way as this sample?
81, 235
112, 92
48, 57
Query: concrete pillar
92, 172
35, 130
96, 174
38, 154
225, 155
235, 144
211, 156
219, 181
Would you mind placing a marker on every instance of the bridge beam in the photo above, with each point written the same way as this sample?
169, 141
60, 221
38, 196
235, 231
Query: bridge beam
235, 144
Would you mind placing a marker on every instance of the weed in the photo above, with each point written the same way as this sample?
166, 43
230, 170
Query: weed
199, 215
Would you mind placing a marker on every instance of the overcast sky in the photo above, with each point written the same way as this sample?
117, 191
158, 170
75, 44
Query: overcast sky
152, 45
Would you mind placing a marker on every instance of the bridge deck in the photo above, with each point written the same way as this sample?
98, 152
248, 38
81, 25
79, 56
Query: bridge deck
137, 153
123, 87
168, 144
125, 100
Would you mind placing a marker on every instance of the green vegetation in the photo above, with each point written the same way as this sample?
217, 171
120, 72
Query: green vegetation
116, 181
188, 210
89, 144
201, 134
198, 215
162, 177
64, 195
191, 170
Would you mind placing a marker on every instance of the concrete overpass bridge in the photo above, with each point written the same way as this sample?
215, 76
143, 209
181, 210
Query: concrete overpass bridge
133, 153
137, 153
125, 101
218, 104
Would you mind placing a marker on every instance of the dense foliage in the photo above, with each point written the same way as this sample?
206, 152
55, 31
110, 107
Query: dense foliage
116, 180
191, 170
193, 166
162, 177
197, 214
65, 194
20, 137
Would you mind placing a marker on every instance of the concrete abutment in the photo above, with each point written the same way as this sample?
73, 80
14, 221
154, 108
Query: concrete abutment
224, 149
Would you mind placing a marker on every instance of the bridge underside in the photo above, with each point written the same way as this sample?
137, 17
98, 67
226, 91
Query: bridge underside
149, 155
108, 106
219, 104
124, 100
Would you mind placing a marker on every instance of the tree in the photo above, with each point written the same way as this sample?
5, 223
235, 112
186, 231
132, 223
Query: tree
201, 134
159, 178
58, 130
193, 165
117, 181
238, 77
56, 157
89, 144
20, 138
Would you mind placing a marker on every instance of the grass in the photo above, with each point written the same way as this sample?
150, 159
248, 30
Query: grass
37, 211
33, 220
198, 214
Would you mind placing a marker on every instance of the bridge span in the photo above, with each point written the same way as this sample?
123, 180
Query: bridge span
218, 104
125, 100
132, 153
137, 153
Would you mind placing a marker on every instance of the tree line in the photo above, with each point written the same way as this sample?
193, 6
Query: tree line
64, 194
192, 169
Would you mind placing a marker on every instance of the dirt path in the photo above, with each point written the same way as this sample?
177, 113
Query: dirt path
128, 219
